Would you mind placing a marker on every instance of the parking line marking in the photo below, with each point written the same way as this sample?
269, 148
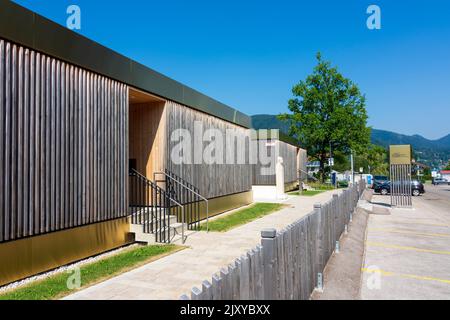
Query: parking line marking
442, 235
393, 246
404, 275
423, 223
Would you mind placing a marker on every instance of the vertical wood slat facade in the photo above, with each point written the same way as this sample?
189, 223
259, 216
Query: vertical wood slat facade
302, 161
288, 152
64, 145
148, 137
213, 180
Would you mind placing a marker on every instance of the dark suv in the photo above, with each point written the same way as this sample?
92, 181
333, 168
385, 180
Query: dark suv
384, 188
377, 180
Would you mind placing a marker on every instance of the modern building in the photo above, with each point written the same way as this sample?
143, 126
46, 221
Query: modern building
294, 160
313, 167
86, 149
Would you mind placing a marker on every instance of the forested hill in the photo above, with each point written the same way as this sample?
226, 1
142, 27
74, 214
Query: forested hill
431, 152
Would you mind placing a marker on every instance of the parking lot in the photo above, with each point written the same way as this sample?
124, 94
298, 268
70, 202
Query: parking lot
408, 251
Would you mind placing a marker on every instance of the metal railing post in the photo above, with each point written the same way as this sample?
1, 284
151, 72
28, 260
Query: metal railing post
181, 184
183, 240
207, 216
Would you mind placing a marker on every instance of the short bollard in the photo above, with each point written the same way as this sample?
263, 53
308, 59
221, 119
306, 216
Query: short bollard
268, 242
351, 217
337, 247
346, 229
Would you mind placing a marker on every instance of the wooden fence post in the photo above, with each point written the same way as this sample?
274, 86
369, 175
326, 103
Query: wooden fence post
336, 223
244, 278
196, 294
259, 275
207, 290
319, 258
217, 284
268, 243
226, 284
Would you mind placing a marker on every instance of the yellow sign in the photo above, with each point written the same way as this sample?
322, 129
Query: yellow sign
400, 154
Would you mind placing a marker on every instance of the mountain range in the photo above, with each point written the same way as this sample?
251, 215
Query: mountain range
434, 153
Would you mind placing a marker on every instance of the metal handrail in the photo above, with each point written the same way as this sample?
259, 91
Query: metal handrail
183, 238
307, 174
154, 185
190, 189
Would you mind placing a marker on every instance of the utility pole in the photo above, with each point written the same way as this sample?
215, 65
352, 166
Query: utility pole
330, 162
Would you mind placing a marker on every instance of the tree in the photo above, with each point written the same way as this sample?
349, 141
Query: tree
327, 112
374, 156
447, 167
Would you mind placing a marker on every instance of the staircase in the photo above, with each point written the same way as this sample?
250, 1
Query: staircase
160, 214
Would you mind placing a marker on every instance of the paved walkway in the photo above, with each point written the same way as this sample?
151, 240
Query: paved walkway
408, 252
176, 274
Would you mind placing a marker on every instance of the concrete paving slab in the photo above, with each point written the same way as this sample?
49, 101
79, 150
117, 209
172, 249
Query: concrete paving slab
176, 274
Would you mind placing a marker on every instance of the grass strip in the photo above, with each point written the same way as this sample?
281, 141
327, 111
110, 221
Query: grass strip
55, 286
308, 193
242, 216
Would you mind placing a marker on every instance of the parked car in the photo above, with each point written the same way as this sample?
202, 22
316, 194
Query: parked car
379, 180
438, 181
384, 188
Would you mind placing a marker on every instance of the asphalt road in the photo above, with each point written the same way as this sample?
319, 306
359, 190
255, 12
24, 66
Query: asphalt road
437, 195
408, 251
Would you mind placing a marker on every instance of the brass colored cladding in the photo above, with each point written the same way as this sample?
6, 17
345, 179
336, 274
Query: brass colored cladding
290, 186
400, 154
26, 257
226, 203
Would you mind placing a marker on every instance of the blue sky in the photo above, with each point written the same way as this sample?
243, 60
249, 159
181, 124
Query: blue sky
249, 54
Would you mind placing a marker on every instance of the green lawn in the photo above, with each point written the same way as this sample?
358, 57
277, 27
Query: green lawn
242, 216
55, 286
321, 186
309, 193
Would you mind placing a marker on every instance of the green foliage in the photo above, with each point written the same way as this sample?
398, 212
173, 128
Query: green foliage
242, 216
308, 193
55, 286
427, 171
341, 161
321, 186
374, 156
377, 158
447, 167
327, 111
342, 184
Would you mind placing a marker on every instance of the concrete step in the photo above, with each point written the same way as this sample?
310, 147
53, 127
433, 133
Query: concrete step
145, 212
157, 223
140, 236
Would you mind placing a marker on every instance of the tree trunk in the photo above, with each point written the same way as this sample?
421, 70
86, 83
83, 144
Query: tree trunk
322, 167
